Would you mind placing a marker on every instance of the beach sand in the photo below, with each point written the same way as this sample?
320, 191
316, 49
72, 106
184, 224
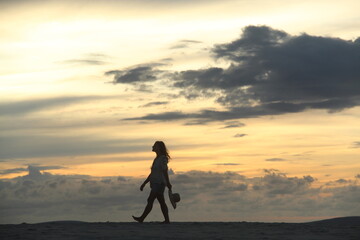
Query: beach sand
340, 229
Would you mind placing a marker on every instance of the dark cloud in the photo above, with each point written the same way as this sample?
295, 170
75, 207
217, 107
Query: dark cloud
167, 116
215, 115
356, 144
42, 196
150, 104
29, 106
141, 87
121, 179
342, 181
275, 183
196, 122
137, 74
34, 173
272, 72
199, 79
32, 169
291, 73
34, 145
43, 168
239, 135
13, 170
275, 159
234, 124
39, 197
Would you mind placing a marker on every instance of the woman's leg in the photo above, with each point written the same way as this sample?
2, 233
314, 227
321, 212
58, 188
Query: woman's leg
164, 208
147, 210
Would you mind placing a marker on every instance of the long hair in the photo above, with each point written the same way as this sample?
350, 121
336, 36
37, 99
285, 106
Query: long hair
162, 149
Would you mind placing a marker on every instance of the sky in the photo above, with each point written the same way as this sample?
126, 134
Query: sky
257, 101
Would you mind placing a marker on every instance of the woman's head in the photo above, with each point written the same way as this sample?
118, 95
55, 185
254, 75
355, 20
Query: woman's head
160, 148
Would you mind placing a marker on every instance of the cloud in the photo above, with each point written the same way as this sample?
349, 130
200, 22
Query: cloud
40, 197
275, 160
84, 61
239, 135
206, 196
89, 59
184, 44
274, 69
234, 124
356, 144
28, 106
32, 169
34, 145
275, 183
13, 170
121, 179
190, 41
137, 74
171, 171
167, 116
271, 72
150, 104
342, 181
196, 122
218, 115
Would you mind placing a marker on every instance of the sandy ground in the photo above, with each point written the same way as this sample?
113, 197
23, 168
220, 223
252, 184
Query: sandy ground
341, 229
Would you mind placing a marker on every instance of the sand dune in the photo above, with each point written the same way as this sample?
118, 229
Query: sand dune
347, 228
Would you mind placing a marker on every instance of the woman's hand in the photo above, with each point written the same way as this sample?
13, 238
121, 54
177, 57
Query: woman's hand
142, 186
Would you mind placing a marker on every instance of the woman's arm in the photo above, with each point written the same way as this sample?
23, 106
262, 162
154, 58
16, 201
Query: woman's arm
145, 182
166, 174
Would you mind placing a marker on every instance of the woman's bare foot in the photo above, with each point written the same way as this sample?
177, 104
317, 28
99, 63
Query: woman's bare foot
165, 222
138, 219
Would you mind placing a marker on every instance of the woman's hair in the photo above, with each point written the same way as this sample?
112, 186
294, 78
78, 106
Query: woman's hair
162, 149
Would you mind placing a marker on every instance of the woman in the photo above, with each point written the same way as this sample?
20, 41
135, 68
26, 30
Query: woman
158, 178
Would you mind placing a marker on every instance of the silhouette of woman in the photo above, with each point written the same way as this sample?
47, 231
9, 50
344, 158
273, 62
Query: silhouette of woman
158, 178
